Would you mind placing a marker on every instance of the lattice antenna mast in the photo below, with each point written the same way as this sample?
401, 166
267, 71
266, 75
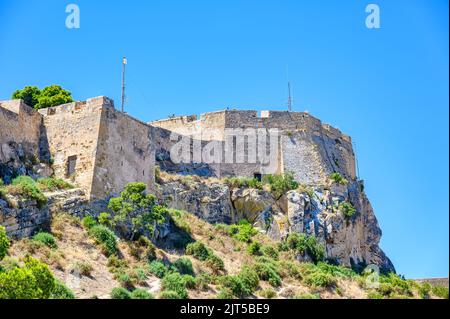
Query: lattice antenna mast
124, 63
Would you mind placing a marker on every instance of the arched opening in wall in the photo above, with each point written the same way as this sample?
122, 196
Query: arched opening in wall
71, 165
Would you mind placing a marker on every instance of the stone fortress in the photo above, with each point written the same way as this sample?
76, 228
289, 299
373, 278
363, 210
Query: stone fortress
101, 149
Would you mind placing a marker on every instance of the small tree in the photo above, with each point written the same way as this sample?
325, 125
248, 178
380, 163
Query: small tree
52, 95
136, 208
29, 94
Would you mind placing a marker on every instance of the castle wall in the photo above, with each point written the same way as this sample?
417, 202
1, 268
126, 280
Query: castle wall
308, 148
125, 153
20, 124
98, 147
71, 132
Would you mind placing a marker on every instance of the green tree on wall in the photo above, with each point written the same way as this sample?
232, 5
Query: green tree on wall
52, 95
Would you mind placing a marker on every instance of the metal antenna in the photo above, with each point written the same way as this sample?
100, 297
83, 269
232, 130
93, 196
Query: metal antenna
124, 63
289, 98
289, 103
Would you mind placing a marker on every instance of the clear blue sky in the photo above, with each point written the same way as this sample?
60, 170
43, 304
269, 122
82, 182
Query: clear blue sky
387, 88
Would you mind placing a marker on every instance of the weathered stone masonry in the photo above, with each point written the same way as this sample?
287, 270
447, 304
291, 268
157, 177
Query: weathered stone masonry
308, 148
89, 142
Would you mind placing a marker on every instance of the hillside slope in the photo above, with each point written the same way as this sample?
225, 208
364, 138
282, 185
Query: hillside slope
79, 262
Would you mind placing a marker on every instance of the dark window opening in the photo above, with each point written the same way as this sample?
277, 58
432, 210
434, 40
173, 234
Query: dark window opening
71, 165
257, 176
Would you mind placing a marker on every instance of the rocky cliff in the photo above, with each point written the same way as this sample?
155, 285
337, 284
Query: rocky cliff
320, 211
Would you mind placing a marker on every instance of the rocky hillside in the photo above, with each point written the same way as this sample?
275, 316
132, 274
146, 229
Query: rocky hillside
226, 239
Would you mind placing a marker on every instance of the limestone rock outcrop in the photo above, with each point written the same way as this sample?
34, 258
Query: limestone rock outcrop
210, 202
315, 211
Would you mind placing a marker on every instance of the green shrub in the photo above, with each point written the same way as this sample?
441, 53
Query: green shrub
4, 242
116, 264
105, 237
393, 285
83, 268
424, 290
338, 179
268, 272
184, 266
244, 231
125, 280
44, 278
47, 239
241, 285
302, 244
53, 184
158, 269
254, 248
88, 222
270, 251
215, 263
289, 269
347, 209
189, 281
280, 184
120, 293
338, 271
198, 250
19, 283
233, 286
61, 291
137, 208
239, 182
440, 291
225, 293
373, 294
203, 281
249, 278
27, 188
169, 294
320, 279
105, 219
140, 293
32, 281
268, 293
175, 282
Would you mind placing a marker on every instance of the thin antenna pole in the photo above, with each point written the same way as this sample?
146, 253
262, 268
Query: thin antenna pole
289, 103
124, 63
289, 98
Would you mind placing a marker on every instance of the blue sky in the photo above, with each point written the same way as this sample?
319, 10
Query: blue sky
387, 88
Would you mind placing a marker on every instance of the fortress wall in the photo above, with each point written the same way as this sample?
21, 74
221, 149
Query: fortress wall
126, 153
241, 119
313, 155
71, 131
183, 125
21, 124
308, 148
